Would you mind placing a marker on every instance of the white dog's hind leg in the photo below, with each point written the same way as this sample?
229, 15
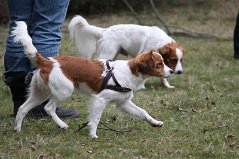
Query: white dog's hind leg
164, 81
96, 108
61, 89
50, 109
130, 108
107, 50
35, 98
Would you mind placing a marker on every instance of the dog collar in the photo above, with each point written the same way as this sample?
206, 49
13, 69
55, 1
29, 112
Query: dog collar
109, 74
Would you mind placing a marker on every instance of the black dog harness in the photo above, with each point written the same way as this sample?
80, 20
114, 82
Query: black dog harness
109, 74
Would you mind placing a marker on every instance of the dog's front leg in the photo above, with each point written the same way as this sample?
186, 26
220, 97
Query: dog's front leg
130, 108
96, 108
164, 81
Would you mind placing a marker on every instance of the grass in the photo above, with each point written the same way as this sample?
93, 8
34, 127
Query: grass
200, 114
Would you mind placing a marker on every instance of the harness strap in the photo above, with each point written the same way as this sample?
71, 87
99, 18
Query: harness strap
117, 87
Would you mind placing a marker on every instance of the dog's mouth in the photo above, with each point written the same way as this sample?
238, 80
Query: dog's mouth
168, 73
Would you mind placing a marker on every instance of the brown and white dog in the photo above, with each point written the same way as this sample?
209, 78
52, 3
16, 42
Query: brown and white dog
129, 39
105, 81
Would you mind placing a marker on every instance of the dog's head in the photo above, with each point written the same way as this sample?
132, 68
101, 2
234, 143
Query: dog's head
173, 55
150, 64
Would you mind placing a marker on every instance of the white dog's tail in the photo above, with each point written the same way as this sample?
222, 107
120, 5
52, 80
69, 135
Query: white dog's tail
84, 35
21, 35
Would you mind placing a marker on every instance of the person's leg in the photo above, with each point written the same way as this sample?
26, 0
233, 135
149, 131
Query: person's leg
236, 38
17, 66
47, 20
45, 30
15, 62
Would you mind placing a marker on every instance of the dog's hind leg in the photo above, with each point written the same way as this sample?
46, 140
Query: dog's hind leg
107, 49
50, 109
131, 109
36, 97
61, 89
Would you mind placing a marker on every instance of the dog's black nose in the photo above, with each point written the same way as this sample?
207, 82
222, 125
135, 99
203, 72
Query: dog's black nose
171, 71
179, 72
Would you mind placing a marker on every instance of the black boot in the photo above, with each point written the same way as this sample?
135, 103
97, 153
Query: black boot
18, 87
19, 96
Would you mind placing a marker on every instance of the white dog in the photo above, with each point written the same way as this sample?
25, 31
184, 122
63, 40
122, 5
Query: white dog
126, 39
105, 81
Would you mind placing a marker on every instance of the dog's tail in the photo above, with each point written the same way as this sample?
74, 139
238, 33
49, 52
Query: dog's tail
84, 35
21, 35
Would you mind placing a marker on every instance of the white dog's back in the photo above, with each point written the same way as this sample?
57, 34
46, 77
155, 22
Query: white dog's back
131, 39
84, 35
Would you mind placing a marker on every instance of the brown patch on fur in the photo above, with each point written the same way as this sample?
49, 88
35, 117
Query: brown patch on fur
168, 53
45, 66
79, 69
148, 63
133, 67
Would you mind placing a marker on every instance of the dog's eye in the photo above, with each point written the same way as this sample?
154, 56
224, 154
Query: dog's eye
159, 65
175, 60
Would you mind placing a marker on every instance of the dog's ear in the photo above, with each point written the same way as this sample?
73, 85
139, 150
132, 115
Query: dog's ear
165, 51
147, 63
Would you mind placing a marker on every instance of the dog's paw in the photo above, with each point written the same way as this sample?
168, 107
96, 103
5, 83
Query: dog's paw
64, 126
93, 136
17, 129
169, 86
158, 124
